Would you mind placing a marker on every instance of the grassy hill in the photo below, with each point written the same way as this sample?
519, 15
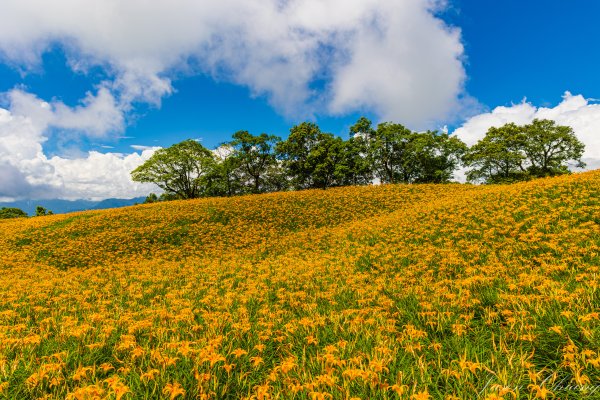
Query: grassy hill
381, 292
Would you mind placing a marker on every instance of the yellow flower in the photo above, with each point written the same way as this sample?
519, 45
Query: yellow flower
423, 395
556, 329
311, 340
173, 390
228, 367
149, 375
288, 365
239, 352
256, 361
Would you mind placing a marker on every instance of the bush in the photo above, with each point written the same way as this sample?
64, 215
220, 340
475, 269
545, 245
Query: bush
12, 212
41, 211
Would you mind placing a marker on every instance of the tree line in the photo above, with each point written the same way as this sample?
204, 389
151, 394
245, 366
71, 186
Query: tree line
389, 153
13, 212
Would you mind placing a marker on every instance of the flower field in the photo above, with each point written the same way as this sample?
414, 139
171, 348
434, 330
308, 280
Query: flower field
378, 292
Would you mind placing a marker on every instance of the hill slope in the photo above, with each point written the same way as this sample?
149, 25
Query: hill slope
367, 292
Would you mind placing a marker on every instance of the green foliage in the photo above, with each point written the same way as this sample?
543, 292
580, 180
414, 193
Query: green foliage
295, 152
548, 147
313, 159
327, 162
389, 151
360, 167
41, 211
399, 155
512, 153
151, 198
12, 212
310, 158
437, 156
178, 170
363, 128
224, 179
276, 179
255, 157
497, 157
168, 197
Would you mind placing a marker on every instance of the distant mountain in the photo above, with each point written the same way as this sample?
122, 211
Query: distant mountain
117, 203
58, 206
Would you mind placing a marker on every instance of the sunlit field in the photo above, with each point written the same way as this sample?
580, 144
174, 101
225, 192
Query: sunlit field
379, 292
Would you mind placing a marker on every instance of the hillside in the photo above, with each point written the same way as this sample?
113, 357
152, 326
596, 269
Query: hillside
362, 292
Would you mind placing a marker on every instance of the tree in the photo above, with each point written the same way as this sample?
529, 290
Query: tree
178, 170
151, 198
549, 147
255, 156
12, 212
295, 151
41, 211
167, 197
362, 128
437, 156
391, 153
497, 158
512, 153
359, 162
398, 155
224, 179
311, 158
276, 179
328, 162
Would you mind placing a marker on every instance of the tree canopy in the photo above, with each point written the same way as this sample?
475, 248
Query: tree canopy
255, 156
398, 155
548, 148
511, 153
391, 153
12, 212
42, 211
178, 170
312, 158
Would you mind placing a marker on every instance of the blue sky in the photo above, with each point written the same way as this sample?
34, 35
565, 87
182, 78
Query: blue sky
77, 85
534, 49
200, 107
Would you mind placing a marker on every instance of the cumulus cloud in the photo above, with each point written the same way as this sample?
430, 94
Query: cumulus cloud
101, 175
14, 184
96, 116
26, 172
394, 58
574, 110
384, 73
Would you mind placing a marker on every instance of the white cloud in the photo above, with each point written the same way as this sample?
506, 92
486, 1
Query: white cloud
414, 82
101, 175
143, 148
26, 172
574, 111
392, 57
96, 116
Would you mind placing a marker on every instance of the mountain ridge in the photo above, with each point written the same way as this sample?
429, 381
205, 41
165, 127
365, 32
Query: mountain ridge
59, 206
